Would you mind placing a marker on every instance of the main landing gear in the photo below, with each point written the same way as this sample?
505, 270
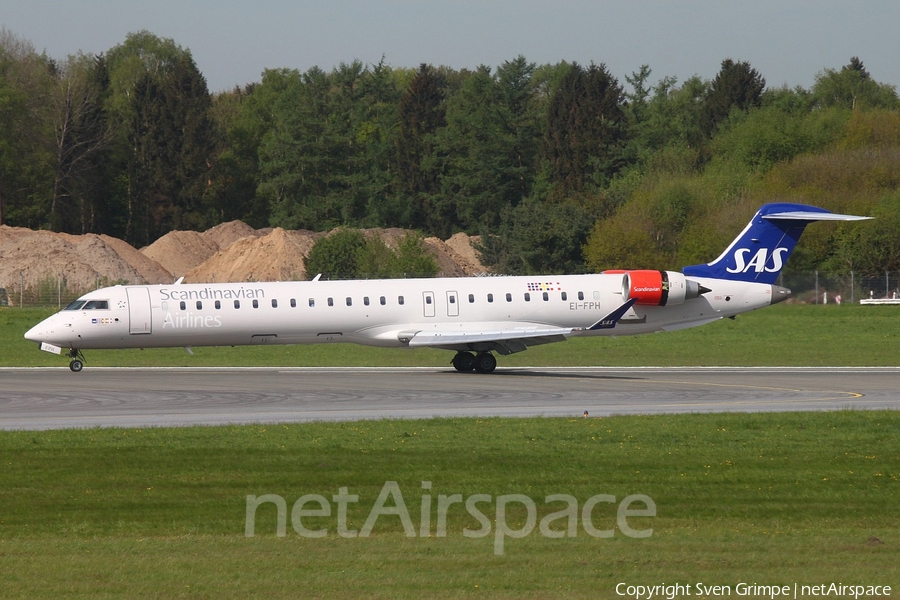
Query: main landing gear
483, 362
77, 362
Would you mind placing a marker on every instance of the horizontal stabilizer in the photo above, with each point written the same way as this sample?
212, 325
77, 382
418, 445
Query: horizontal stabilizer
801, 215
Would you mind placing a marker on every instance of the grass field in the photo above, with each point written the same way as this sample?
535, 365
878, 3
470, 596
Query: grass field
785, 334
766, 498
772, 499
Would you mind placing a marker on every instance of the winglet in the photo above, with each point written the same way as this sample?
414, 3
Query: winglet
610, 320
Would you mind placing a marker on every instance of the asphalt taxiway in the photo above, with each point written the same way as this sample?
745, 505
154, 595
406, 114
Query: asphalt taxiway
54, 398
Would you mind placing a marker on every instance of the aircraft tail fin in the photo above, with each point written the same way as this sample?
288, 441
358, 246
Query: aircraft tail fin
761, 249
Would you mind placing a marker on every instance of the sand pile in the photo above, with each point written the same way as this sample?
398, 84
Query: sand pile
278, 256
228, 252
83, 261
181, 251
465, 254
225, 234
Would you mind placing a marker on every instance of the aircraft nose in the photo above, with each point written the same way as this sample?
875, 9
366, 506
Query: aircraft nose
36, 333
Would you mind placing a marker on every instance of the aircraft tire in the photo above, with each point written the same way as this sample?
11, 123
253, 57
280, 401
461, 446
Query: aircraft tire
464, 362
76, 366
485, 363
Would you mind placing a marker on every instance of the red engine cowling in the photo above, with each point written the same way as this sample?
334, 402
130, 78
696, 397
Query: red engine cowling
658, 288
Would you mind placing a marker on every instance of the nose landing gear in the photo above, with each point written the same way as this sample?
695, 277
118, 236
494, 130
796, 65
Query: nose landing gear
77, 362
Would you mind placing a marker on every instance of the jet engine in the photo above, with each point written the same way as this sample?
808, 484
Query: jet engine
659, 288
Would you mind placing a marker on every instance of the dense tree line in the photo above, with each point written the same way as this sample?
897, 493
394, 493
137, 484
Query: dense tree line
560, 167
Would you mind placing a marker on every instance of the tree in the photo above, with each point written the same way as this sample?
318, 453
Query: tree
538, 237
736, 86
487, 150
26, 133
235, 169
852, 87
160, 106
421, 113
365, 101
337, 256
409, 259
350, 254
82, 136
304, 155
586, 129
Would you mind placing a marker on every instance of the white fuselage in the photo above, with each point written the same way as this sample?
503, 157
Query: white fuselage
374, 312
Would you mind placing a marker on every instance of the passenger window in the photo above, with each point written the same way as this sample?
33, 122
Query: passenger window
564, 297
509, 297
383, 300
471, 298
331, 302
237, 303
349, 301
218, 305
183, 305
596, 295
490, 297
293, 303
199, 305
527, 297
400, 300
165, 306
366, 300
581, 295
546, 296
427, 299
452, 299
312, 302
256, 304
274, 303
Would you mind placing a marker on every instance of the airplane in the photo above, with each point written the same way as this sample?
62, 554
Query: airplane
472, 316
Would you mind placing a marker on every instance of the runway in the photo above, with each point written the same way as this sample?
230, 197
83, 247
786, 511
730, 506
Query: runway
55, 398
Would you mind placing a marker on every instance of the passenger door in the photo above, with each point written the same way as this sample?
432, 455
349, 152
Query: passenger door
139, 318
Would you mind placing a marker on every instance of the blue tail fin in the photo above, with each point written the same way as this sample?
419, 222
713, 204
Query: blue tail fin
760, 251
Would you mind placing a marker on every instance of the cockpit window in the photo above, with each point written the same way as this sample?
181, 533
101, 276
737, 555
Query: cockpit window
96, 305
75, 305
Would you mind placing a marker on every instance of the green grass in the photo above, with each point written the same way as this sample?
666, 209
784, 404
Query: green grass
786, 334
766, 498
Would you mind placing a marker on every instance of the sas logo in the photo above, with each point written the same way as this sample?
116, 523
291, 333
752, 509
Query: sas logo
759, 260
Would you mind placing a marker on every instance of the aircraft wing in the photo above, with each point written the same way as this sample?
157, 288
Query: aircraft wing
511, 340
504, 342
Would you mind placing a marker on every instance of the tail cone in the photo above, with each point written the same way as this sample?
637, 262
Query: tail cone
780, 294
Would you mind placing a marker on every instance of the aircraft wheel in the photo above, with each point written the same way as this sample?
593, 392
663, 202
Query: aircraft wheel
464, 362
485, 363
76, 366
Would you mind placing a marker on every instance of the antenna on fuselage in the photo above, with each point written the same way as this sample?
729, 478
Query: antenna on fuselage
179, 280
316, 278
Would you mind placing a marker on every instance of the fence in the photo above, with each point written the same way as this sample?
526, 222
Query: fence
818, 287
821, 287
51, 291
